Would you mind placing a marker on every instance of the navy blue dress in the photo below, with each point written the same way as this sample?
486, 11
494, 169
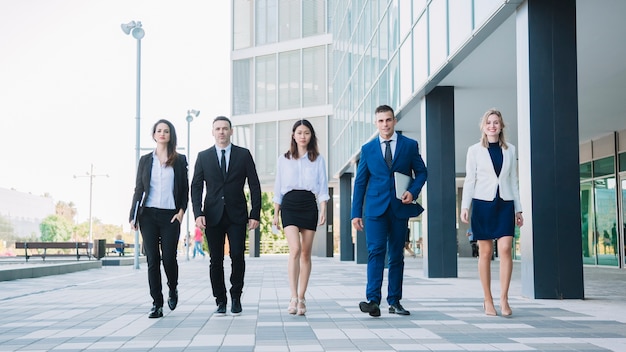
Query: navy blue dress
496, 218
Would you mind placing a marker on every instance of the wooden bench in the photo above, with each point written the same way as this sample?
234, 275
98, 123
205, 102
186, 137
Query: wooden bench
118, 248
33, 249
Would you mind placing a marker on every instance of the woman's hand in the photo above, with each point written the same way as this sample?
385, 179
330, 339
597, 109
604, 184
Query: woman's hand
465, 215
519, 219
178, 216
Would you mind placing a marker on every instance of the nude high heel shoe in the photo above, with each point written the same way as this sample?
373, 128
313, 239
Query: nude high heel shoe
490, 309
292, 306
301, 306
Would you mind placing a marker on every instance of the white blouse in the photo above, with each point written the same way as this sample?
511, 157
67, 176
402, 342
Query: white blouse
301, 174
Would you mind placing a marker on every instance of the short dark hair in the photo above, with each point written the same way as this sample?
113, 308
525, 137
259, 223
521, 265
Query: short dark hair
384, 108
223, 118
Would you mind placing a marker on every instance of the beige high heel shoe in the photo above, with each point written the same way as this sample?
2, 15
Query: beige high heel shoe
301, 306
292, 306
488, 309
505, 308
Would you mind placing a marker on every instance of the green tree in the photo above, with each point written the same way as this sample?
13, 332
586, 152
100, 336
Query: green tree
55, 228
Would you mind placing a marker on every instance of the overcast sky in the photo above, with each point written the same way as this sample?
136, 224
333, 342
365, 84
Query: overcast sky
68, 91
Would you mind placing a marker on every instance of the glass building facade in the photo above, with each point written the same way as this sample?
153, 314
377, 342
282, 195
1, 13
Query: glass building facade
280, 55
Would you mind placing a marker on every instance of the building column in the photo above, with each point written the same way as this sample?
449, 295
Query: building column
346, 247
330, 218
548, 150
440, 252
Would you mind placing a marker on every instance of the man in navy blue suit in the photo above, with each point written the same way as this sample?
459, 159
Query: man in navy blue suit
384, 217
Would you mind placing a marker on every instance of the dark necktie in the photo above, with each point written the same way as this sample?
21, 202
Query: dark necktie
223, 163
388, 153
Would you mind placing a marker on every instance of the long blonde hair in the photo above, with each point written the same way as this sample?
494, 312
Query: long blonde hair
483, 121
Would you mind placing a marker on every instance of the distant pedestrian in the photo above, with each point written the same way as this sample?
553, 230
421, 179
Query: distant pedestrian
198, 242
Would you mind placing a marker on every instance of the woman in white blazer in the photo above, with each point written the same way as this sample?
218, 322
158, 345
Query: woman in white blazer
491, 190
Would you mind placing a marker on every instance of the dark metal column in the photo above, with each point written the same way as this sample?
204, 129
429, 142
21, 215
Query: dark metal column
440, 255
330, 241
548, 153
346, 247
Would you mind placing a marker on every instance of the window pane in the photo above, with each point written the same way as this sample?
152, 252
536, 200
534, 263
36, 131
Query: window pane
587, 223
289, 96
420, 53
289, 20
460, 23
585, 170
265, 152
265, 95
241, 136
438, 42
483, 9
242, 88
242, 24
406, 64
606, 201
266, 20
622, 164
312, 17
314, 76
603, 167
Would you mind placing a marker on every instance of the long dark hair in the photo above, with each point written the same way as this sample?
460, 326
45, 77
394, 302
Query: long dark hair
171, 145
311, 147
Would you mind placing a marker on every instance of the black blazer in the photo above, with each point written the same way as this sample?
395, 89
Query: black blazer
225, 194
142, 183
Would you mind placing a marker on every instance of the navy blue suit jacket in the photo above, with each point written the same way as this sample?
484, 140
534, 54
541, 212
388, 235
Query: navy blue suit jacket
374, 184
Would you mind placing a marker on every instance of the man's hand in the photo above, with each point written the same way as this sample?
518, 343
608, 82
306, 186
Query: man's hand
201, 222
407, 197
357, 223
253, 224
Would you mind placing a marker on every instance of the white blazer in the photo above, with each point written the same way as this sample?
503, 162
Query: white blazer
481, 181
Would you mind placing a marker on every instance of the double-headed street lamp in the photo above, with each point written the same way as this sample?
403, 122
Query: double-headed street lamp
134, 28
91, 176
190, 116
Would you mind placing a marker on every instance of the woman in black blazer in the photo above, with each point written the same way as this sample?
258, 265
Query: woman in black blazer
159, 203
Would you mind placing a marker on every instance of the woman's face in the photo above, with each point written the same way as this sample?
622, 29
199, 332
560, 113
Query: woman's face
302, 136
492, 126
162, 133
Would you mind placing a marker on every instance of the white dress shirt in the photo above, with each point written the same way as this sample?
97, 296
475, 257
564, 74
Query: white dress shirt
392, 145
301, 174
161, 193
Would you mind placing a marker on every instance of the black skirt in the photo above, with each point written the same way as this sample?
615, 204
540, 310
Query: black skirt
299, 208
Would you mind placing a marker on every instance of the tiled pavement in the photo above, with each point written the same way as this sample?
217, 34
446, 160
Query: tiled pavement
106, 310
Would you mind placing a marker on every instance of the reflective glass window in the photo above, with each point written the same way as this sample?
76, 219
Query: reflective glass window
605, 215
265, 135
438, 34
289, 20
289, 96
242, 87
460, 22
266, 21
406, 67
313, 17
622, 162
604, 166
242, 24
265, 83
420, 53
483, 9
585, 170
314, 76
587, 223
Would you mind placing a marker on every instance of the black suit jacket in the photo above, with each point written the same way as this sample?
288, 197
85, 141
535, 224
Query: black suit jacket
225, 194
142, 183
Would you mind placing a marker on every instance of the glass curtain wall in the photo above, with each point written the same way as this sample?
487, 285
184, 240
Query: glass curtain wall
384, 52
602, 210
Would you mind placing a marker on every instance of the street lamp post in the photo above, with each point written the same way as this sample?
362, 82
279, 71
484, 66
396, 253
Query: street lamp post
91, 176
190, 116
134, 27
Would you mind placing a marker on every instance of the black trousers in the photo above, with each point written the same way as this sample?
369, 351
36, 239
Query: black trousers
216, 238
160, 242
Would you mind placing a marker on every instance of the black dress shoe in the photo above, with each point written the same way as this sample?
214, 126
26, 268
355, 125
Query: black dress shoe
370, 307
172, 301
221, 308
235, 308
156, 312
397, 308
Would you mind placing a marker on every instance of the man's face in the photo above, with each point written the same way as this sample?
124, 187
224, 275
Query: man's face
385, 122
222, 133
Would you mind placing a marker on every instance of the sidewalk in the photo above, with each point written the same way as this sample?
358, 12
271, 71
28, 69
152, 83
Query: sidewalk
107, 309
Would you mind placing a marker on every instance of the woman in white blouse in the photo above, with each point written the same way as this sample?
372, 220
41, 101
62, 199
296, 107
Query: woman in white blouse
301, 182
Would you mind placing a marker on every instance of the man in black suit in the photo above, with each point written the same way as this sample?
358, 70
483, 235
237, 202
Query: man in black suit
223, 169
